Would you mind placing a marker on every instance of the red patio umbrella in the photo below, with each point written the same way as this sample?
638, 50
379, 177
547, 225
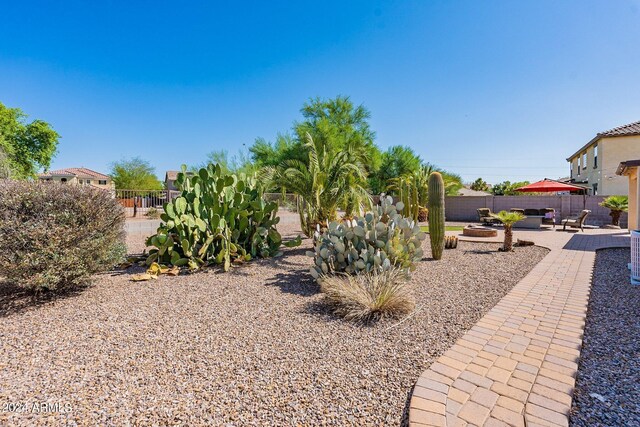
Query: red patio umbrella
549, 186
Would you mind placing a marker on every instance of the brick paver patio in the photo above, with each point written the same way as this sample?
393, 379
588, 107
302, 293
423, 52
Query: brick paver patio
517, 365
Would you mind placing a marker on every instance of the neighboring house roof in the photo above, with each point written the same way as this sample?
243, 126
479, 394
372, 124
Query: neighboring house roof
77, 172
171, 175
464, 191
624, 130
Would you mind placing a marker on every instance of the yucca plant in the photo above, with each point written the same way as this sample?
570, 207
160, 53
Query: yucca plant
368, 296
328, 181
617, 205
508, 219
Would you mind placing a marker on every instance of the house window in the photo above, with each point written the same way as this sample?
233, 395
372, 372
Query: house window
63, 179
595, 156
102, 182
579, 165
584, 160
88, 181
571, 170
595, 189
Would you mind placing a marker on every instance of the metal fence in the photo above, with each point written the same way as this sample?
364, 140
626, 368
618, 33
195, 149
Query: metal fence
144, 203
148, 204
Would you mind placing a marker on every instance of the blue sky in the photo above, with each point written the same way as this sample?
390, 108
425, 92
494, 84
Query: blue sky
498, 89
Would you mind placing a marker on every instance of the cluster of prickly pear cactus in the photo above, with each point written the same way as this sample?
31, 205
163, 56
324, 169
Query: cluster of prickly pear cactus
436, 214
379, 240
218, 219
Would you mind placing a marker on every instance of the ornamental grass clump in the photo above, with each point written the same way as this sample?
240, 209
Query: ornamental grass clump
56, 236
368, 296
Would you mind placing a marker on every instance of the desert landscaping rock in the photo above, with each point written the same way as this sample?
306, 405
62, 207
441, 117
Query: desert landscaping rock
608, 382
256, 346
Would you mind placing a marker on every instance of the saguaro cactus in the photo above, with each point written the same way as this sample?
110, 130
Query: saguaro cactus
436, 214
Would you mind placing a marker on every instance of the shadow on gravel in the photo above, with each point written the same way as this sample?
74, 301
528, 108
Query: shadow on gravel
298, 282
14, 299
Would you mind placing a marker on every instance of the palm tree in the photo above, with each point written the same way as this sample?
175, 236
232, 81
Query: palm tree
617, 205
508, 219
328, 181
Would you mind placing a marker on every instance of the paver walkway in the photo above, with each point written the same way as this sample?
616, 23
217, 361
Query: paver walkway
518, 364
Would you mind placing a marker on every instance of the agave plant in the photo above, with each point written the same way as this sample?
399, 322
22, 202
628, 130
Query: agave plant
617, 205
508, 219
328, 181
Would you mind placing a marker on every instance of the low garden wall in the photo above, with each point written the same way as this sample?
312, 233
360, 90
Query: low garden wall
463, 208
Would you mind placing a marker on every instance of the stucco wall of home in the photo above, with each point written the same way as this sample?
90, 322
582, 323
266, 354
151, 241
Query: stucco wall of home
611, 151
73, 180
463, 208
617, 150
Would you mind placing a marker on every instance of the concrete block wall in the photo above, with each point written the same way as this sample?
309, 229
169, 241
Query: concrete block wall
463, 208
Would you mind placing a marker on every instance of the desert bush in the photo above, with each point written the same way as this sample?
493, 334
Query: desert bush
368, 296
56, 235
218, 219
153, 213
380, 240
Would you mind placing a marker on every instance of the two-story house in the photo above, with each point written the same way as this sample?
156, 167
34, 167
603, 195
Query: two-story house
595, 163
79, 176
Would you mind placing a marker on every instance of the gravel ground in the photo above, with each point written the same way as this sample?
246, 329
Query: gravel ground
608, 382
255, 346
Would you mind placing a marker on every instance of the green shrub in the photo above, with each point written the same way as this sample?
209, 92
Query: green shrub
381, 239
368, 296
152, 213
218, 219
55, 235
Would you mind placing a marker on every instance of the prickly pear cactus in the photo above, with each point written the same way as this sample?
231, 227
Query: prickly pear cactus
218, 219
436, 214
381, 239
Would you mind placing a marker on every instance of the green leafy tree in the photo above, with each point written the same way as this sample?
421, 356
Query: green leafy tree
235, 164
617, 205
135, 174
398, 161
322, 183
338, 124
285, 147
507, 188
27, 147
508, 219
480, 185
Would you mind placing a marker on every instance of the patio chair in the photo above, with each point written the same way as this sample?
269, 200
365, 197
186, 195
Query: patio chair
576, 222
517, 210
484, 215
531, 212
549, 216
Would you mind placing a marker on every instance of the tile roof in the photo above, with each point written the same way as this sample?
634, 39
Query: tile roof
79, 172
630, 129
624, 130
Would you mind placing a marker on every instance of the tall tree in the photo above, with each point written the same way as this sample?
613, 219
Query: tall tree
322, 183
508, 188
28, 147
235, 164
339, 124
480, 185
135, 174
285, 147
398, 161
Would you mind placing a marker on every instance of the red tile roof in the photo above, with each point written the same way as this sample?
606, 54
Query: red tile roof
78, 172
630, 129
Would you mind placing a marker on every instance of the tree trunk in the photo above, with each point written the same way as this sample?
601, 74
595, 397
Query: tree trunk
508, 239
615, 217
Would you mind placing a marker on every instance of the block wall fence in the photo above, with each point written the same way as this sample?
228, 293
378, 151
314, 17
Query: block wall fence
463, 208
